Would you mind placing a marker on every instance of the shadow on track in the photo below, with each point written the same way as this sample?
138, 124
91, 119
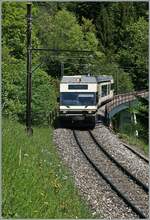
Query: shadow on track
78, 125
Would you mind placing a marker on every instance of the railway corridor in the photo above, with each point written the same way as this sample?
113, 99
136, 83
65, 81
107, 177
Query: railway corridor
103, 199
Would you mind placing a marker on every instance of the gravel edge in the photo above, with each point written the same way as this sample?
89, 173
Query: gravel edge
102, 200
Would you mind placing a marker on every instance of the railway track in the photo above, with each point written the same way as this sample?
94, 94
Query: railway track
133, 150
133, 192
136, 152
139, 182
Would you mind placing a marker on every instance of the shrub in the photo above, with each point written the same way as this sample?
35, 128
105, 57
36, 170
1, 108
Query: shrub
14, 92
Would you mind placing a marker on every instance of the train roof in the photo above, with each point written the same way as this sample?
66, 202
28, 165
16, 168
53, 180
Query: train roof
78, 78
104, 78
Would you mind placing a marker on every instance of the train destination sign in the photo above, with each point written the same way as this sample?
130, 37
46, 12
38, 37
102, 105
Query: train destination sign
78, 86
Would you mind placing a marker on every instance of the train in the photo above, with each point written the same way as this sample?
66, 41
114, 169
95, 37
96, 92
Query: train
82, 95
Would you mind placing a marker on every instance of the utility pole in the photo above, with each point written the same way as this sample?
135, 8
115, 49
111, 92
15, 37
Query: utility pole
29, 70
62, 69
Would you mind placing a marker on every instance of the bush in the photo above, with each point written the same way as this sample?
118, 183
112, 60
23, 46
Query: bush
14, 92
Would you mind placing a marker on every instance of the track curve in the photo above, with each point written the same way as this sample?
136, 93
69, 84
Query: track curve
108, 180
141, 184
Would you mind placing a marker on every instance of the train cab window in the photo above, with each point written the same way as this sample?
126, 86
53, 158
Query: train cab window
104, 90
78, 98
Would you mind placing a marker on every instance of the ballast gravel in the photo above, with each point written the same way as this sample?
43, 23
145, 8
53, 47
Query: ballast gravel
102, 199
134, 192
124, 156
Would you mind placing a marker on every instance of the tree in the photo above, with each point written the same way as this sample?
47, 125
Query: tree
142, 110
116, 33
122, 79
44, 91
63, 32
14, 28
134, 54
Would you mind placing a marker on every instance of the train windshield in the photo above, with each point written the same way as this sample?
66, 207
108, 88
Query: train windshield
78, 98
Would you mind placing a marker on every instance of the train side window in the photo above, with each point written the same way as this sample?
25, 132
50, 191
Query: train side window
112, 86
104, 90
108, 89
97, 97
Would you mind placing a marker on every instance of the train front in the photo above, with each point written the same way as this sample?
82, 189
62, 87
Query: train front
78, 98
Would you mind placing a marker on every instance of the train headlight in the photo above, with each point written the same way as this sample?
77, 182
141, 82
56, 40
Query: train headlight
89, 112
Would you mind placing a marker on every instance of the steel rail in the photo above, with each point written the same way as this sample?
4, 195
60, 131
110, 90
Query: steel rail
138, 182
136, 152
119, 193
132, 149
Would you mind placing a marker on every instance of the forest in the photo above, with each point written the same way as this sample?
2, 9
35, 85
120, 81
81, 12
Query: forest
115, 33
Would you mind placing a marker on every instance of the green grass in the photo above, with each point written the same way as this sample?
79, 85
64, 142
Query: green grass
35, 183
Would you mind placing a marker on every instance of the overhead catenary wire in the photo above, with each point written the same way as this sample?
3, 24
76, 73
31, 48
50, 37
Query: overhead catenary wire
62, 50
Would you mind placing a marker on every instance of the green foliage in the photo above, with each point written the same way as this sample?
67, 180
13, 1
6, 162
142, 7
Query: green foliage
66, 33
88, 26
44, 96
134, 53
122, 80
128, 129
122, 31
116, 33
63, 32
142, 112
44, 91
14, 28
35, 182
105, 27
13, 86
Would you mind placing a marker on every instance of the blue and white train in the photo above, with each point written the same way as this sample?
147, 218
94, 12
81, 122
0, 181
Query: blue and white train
81, 96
